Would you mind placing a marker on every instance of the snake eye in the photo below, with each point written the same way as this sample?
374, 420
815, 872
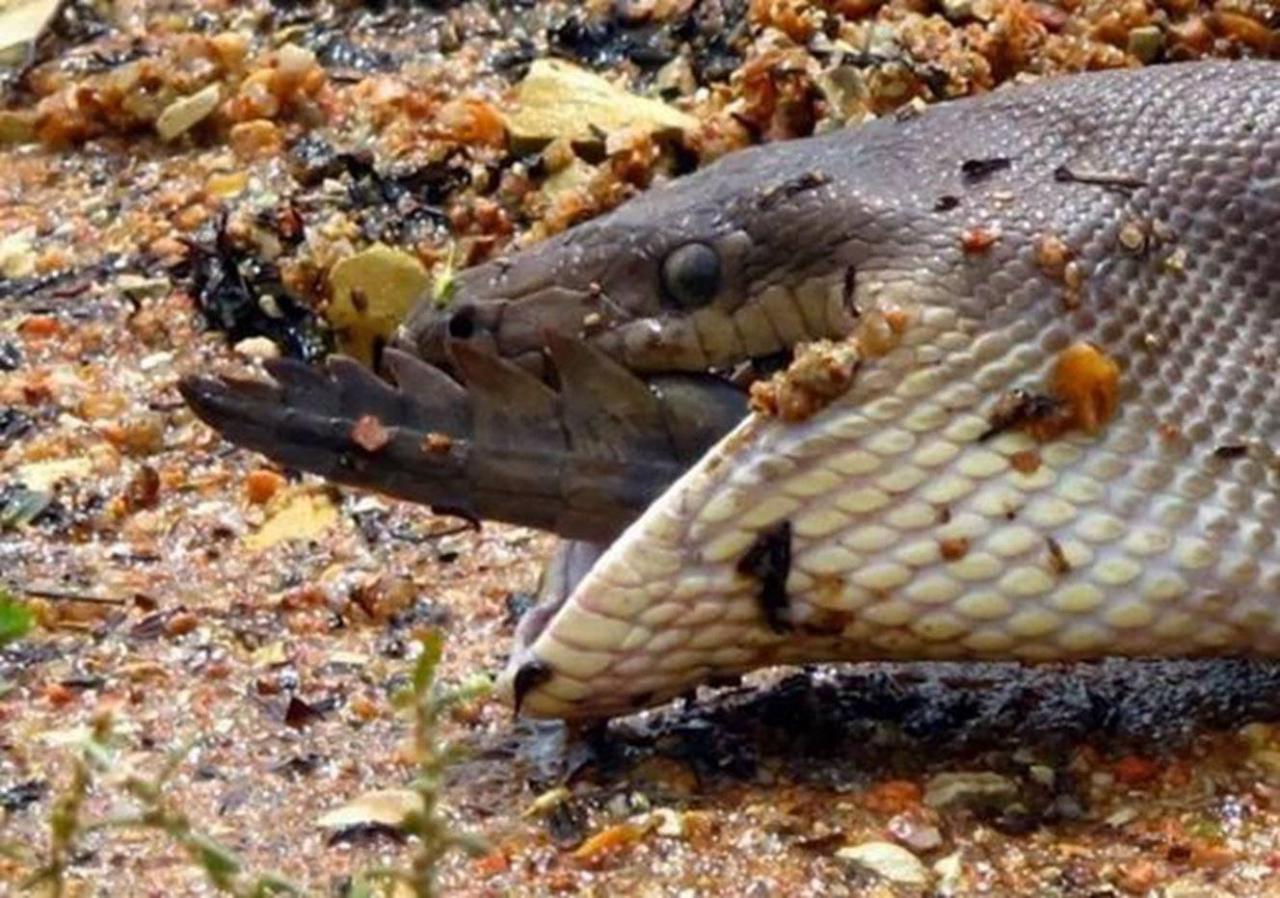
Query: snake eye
691, 274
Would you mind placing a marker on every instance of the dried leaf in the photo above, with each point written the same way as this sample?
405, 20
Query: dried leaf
21, 22
558, 99
384, 807
185, 113
272, 654
43, 476
305, 515
371, 293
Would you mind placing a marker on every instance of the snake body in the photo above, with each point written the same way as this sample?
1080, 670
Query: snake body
1136, 213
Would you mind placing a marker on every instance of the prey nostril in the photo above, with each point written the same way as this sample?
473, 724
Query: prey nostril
462, 323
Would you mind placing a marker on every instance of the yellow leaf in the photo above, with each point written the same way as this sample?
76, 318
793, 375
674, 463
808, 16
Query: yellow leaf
558, 99
305, 515
43, 476
21, 22
371, 292
272, 654
387, 807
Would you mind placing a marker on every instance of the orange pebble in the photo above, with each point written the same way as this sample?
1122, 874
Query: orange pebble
262, 484
1133, 769
492, 864
1088, 381
58, 695
892, 796
607, 842
182, 623
978, 240
39, 327
1025, 462
256, 139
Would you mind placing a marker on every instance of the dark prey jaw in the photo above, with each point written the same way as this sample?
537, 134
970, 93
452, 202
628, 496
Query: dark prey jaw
582, 460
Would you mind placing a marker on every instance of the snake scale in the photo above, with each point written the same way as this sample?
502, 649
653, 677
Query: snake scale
1048, 427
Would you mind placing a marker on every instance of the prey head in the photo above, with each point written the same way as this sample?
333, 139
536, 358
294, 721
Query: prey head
737, 261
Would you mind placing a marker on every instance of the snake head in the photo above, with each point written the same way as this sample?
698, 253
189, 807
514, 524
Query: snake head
736, 263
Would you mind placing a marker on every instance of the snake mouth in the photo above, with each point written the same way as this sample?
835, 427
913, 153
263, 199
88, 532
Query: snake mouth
737, 337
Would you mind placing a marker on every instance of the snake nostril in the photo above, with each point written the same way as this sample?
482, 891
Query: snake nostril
462, 323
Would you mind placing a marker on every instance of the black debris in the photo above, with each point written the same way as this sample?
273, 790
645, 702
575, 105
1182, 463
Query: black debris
1224, 452
1019, 407
779, 193
243, 296
1067, 174
14, 424
20, 795
975, 170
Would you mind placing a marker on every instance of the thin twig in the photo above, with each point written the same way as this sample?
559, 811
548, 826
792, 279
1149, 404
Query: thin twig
66, 595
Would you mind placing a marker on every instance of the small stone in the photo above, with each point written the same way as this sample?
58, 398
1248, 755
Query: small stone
547, 802
227, 184
1268, 759
668, 822
44, 476
138, 286
947, 790
1257, 735
892, 862
1121, 817
1146, 43
185, 113
303, 516
181, 623
844, 87
613, 839
18, 255
143, 488
915, 832
949, 870
256, 139
1042, 774
262, 485
293, 60
1132, 237
17, 126
230, 47
143, 433
1187, 888
1138, 877
257, 348
676, 77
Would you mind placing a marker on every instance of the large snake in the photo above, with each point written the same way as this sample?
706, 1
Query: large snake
1050, 429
